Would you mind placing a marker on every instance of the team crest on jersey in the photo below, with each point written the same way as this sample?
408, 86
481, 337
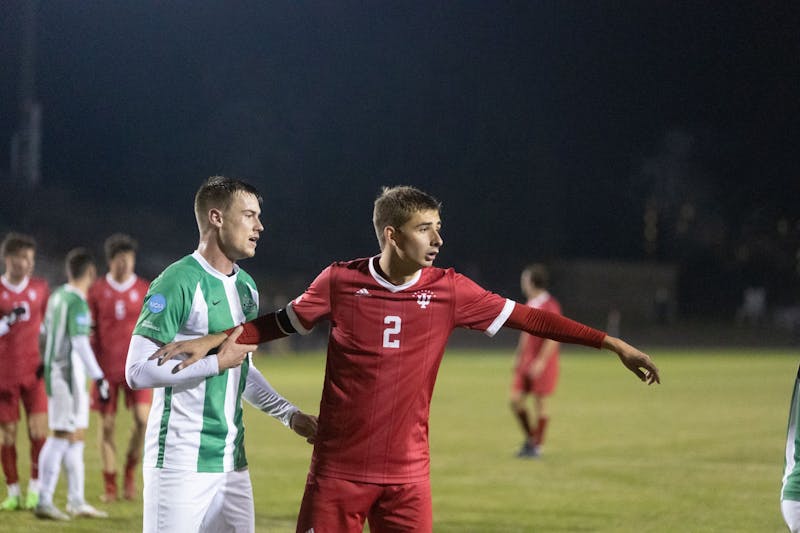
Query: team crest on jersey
248, 304
134, 296
32, 295
424, 298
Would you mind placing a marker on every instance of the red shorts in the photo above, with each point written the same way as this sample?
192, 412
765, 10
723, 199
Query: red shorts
131, 397
544, 385
341, 506
33, 396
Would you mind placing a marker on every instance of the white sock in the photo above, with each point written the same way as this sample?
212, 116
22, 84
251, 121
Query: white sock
33, 486
73, 464
13, 489
50, 466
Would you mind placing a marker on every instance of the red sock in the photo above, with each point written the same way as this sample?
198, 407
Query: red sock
110, 479
541, 426
130, 464
8, 455
36, 447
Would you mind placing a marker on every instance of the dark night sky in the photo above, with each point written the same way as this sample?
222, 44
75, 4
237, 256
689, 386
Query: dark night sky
543, 126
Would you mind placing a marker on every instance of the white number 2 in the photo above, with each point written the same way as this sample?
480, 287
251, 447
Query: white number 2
394, 327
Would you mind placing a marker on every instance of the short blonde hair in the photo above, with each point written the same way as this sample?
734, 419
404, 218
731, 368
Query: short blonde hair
395, 206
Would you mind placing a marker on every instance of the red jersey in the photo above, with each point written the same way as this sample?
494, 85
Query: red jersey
115, 308
385, 347
531, 344
19, 348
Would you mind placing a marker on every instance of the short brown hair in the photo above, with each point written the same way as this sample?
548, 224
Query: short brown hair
538, 275
119, 243
395, 206
78, 262
218, 191
14, 242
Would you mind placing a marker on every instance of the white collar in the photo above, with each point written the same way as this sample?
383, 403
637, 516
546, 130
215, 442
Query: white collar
15, 288
386, 284
213, 271
121, 287
539, 300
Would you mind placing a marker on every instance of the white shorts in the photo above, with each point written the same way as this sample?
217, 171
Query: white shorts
177, 501
67, 410
791, 514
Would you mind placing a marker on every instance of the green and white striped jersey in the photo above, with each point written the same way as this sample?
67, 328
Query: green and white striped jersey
197, 427
791, 475
67, 316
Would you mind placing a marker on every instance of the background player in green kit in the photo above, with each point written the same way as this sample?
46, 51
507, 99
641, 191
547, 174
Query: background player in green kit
195, 470
68, 359
790, 489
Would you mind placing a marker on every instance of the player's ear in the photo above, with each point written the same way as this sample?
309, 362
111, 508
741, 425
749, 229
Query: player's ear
389, 235
215, 217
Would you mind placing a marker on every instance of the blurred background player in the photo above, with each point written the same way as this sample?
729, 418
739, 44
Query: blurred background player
22, 305
115, 302
536, 364
68, 358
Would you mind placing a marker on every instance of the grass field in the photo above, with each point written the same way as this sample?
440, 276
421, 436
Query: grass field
703, 452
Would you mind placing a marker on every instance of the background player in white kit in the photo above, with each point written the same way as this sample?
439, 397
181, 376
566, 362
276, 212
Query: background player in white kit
68, 359
195, 469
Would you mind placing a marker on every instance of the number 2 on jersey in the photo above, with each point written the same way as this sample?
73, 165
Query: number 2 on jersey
394, 323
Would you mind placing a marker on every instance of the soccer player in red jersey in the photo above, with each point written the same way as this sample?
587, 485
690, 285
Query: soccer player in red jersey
115, 302
390, 317
23, 299
536, 363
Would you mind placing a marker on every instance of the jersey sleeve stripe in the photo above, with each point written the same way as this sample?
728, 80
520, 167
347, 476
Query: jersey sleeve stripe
495, 326
296, 324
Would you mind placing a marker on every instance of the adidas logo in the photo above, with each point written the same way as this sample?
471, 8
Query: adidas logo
362, 292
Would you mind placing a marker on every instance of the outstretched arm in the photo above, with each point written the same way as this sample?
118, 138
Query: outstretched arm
562, 329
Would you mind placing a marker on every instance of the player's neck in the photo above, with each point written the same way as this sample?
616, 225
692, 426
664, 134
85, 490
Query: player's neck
121, 278
394, 270
80, 284
14, 280
212, 253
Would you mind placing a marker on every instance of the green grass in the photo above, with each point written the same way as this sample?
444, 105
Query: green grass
703, 452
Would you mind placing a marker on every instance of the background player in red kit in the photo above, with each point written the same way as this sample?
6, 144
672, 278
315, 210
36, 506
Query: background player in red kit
115, 302
390, 316
23, 299
536, 363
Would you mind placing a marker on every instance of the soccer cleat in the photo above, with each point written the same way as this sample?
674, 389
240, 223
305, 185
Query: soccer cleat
84, 509
10, 504
528, 451
49, 511
31, 499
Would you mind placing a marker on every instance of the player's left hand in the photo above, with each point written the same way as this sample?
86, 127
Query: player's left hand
305, 426
103, 389
634, 360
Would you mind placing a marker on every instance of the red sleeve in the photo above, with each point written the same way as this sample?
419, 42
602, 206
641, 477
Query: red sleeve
553, 326
301, 313
477, 308
313, 305
262, 329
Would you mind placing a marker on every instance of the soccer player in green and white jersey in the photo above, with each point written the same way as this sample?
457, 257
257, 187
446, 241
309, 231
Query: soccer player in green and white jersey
790, 490
68, 359
195, 469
